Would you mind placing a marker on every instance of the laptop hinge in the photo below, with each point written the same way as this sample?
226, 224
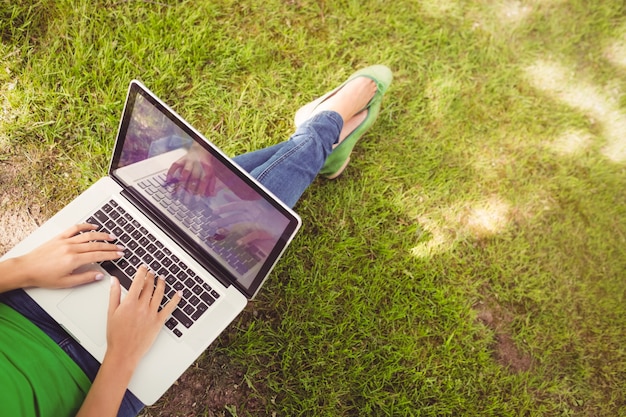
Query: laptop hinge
177, 237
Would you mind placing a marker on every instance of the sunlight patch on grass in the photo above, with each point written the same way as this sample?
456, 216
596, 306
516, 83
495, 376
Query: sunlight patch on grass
475, 220
615, 52
439, 242
484, 219
499, 17
546, 3
562, 84
573, 142
513, 12
440, 8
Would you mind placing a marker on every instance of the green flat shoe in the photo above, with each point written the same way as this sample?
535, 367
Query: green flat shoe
338, 160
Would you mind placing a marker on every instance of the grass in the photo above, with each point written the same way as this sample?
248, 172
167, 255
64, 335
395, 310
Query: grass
471, 259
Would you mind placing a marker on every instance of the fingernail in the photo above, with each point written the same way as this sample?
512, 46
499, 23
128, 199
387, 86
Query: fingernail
113, 280
161, 277
120, 247
180, 293
99, 277
112, 236
120, 253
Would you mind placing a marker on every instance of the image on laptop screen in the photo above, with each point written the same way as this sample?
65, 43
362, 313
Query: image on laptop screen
191, 185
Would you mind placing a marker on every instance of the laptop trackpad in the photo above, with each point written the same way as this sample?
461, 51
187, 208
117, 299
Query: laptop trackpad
87, 307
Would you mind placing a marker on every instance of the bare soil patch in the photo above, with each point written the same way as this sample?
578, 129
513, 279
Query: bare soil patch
213, 387
505, 351
21, 214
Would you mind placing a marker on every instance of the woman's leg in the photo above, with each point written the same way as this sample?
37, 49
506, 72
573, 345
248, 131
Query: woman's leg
288, 168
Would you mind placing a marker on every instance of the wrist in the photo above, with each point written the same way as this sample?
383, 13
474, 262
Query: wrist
121, 361
15, 274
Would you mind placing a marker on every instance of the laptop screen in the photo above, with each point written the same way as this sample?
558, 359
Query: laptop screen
215, 209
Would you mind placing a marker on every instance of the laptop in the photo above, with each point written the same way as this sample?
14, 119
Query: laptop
181, 206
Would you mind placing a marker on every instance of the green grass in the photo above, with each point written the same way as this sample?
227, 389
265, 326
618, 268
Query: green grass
493, 179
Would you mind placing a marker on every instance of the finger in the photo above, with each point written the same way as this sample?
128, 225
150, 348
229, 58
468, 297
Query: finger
197, 172
81, 278
157, 297
212, 185
185, 172
77, 228
81, 244
169, 308
172, 171
186, 182
92, 236
192, 187
92, 257
138, 282
97, 246
195, 179
148, 287
209, 188
207, 185
114, 296
177, 190
203, 188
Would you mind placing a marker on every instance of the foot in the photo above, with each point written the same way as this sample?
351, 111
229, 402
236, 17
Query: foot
359, 123
349, 101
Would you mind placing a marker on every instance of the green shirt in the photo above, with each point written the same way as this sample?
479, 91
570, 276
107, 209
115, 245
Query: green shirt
37, 378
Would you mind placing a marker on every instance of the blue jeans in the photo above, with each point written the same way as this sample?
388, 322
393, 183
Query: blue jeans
286, 169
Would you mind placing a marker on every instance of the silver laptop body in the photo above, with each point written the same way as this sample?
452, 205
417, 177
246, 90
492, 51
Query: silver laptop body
217, 241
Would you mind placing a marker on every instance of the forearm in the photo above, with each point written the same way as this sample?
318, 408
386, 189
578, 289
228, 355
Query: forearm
13, 274
107, 391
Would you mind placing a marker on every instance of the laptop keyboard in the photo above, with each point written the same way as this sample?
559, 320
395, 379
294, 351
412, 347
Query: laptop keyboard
143, 248
192, 214
196, 216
